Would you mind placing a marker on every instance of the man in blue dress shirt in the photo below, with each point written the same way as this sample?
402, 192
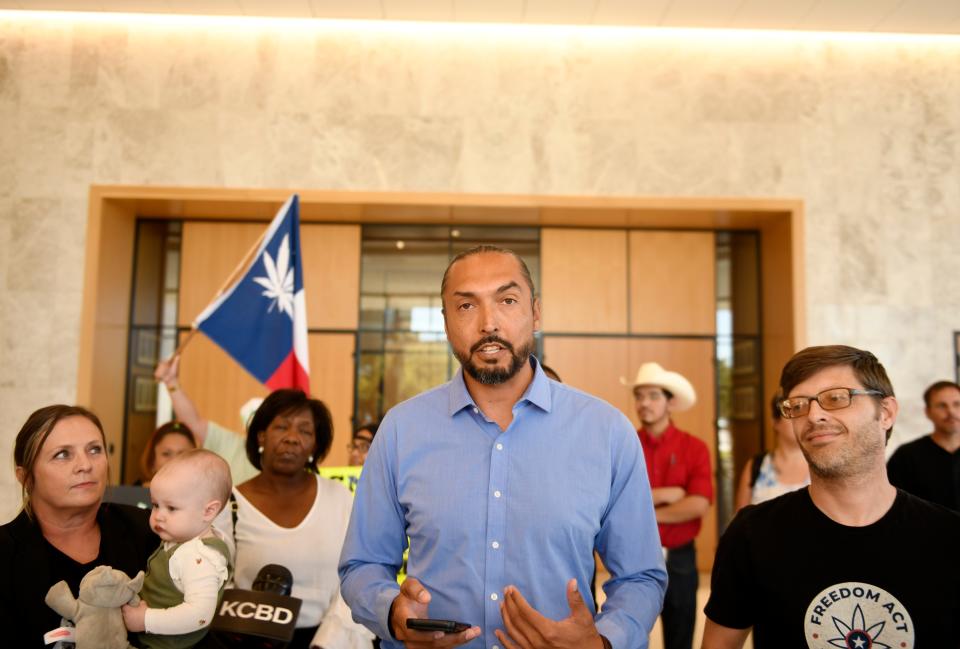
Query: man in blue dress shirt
504, 482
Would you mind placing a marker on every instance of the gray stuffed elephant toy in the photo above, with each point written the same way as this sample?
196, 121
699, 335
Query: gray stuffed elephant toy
96, 613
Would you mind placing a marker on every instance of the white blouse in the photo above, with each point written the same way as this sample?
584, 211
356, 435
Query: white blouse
310, 551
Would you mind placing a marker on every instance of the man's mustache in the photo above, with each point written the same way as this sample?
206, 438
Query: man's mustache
494, 340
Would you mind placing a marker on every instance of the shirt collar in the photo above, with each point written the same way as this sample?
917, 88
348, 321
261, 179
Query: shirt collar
538, 392
656, 440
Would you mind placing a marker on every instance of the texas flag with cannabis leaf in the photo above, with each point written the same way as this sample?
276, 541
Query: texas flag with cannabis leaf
261, 319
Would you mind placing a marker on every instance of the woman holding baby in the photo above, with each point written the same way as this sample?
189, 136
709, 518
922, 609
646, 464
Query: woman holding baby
64, 529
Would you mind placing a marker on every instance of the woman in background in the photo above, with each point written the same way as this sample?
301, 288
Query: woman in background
773, 474
166, 443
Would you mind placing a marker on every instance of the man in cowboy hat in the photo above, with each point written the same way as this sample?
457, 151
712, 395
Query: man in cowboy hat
678, 465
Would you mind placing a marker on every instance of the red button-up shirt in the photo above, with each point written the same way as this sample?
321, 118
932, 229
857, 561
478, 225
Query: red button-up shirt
678, 459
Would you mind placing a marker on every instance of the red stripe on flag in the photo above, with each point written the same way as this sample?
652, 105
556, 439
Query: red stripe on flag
289, 375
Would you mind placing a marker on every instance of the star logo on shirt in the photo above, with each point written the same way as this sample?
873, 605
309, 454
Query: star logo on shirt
856, 635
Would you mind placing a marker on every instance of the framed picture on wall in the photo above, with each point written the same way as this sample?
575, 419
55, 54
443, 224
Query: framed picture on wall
744, 357
744, 402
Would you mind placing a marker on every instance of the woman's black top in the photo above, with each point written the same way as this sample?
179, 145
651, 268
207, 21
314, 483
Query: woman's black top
29, 566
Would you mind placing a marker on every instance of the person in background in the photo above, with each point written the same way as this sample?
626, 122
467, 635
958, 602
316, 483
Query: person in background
678, 465
290, 516
167, 442
849, 561
64, 529
551, 373
210, 435
768, 475
360, 443
504, 482
929, 467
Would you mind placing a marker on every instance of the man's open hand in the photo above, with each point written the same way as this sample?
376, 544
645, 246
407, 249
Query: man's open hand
526, 628
414, 601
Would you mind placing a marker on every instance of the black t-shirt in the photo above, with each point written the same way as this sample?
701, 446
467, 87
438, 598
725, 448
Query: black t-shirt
802, 580
927, 470
29, 566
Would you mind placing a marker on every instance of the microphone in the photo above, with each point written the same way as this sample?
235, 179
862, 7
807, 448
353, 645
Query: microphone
274, 578
262, 618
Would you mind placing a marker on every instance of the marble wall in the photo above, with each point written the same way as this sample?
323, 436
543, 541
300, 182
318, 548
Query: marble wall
863, 130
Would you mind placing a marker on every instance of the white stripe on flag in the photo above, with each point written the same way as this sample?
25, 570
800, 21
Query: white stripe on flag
300, 349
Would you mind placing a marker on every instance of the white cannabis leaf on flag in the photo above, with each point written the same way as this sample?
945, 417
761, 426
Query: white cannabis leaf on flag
279, 280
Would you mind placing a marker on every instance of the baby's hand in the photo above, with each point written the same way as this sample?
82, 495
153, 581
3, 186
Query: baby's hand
133, 616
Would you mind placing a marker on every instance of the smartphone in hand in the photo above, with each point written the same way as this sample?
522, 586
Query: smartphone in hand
427, 624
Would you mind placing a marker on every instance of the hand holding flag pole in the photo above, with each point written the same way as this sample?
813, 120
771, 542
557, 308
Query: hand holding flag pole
259, 316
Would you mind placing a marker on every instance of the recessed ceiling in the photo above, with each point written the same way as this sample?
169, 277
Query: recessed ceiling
884, 16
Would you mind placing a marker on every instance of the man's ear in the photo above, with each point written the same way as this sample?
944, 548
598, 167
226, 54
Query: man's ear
888, 412
536, 313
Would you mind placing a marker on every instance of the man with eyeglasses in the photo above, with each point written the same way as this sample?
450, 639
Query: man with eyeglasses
360, 443
929, 467
849, 561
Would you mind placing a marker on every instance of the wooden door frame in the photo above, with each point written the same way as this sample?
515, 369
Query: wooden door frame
114, 209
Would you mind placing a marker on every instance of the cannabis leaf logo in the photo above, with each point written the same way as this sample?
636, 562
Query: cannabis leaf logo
279, 280
856, 635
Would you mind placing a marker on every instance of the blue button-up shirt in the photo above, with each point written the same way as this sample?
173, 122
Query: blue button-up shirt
484, 509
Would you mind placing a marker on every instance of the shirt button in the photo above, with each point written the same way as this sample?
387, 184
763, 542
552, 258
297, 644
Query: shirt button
496, 494
499, 447
476, 410
495, 545
494, 596
495, 647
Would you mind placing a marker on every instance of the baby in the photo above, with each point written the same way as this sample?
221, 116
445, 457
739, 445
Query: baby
185, 576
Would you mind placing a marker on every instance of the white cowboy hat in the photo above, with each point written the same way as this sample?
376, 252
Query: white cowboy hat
684, 396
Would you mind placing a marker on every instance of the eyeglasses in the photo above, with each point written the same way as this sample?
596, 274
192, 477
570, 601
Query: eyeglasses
358, 446
833, 399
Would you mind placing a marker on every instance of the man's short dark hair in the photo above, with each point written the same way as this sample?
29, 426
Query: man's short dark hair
936, 387
476, 250
807, 362
288, 402
370, 427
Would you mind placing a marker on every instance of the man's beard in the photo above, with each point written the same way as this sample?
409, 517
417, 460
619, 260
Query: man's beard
857, 456
495, 375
